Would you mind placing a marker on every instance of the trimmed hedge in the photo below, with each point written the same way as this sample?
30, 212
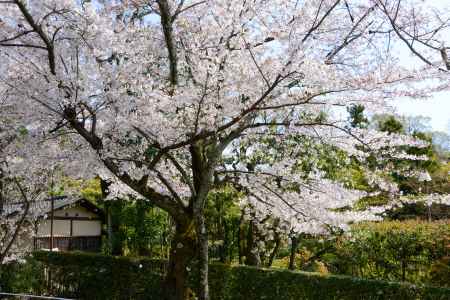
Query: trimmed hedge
21, 277
91, 276
244, 283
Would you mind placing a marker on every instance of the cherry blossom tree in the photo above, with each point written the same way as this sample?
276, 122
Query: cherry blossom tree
10, 225
162, 91
30, 167
18, 192
30, 164
12, 189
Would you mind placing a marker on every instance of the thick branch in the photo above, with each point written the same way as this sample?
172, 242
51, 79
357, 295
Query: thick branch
165, 202
41, 33
166, 23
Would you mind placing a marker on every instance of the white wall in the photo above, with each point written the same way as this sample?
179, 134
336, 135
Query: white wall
79, 227
60, 228
74, 212
87, 228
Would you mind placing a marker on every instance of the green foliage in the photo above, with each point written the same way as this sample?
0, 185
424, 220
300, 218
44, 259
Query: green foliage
357, 117
24, 277
151, 152
90, 276
440, 271
222, 216
240, 282
367, 201
88, 189
440, 179
23, 131
393, 251
390, 124
433, 165
139, 229
94, 276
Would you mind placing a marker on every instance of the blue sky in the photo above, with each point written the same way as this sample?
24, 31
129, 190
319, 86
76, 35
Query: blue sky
437, 108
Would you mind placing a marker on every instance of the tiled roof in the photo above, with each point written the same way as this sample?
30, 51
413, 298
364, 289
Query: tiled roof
43, 207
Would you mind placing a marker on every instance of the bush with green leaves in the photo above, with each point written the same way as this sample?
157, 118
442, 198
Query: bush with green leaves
94, 276
403, 251
24, 276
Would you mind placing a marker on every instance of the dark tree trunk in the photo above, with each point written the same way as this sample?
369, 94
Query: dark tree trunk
225, 247
109, 226
104, 185
294, 246
117, 242
252, 254
241, 239
234, 240
275, 250
222, 232
182, 253
142, 246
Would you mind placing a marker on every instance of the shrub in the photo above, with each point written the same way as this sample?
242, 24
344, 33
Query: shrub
402, 251
440, 272
92, 276
23, 276
244, 283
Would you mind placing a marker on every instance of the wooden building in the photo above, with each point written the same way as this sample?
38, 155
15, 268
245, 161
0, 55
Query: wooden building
76, 225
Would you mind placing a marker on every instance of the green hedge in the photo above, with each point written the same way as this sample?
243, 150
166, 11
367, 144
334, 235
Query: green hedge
246, 283
23, 277
90, 276
393, 251
93, 276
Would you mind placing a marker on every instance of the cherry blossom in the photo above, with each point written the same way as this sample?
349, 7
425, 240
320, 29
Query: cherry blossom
155, 94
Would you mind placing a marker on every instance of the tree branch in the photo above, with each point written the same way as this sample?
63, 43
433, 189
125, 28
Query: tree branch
315, 26
166, 23
49, 45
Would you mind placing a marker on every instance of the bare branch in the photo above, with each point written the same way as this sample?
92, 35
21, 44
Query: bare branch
256, 64
399, 34
16, 36
315, 26
180, 8
22, 45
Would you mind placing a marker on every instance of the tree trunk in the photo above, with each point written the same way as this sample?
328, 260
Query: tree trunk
182, 252
241, 239
202, 239
1, 192
104, 185
109, 226
275, 250
15, 234
142, 239
252, 254
225, 247
294, 245
222, 232
117, 242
